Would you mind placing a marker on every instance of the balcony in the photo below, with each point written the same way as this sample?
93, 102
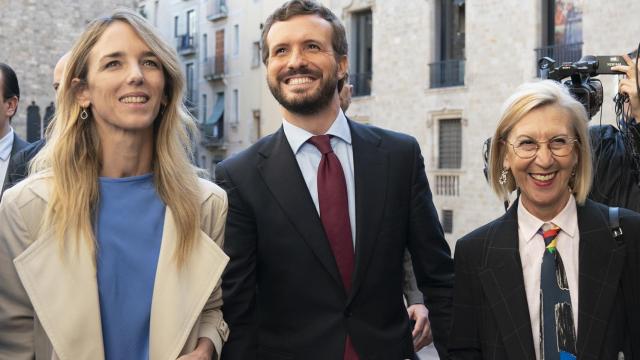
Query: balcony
186, 44
361, 83
446, 73
560, 53
214, 68
217, 10
447, 184
211, 141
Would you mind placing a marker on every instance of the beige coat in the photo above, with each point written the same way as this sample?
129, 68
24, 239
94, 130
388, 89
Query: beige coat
49, 305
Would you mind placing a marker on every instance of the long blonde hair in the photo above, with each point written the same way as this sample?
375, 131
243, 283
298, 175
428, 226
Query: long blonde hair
73, 152
528, 97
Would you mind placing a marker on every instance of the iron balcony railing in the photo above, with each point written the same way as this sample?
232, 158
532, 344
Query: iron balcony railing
214, 67
212, 135
186, 44
361, 83
216, 10
446, 73
560, 53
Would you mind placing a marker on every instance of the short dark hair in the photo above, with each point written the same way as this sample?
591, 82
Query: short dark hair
307, 7
10, 86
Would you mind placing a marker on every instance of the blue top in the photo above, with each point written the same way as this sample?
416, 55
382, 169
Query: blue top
129, 228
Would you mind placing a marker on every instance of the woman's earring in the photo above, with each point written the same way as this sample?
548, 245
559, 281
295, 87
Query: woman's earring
84, 115
503, 177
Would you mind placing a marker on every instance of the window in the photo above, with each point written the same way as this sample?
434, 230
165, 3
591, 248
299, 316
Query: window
561, 30
236, 39
236, 106
204, 108
205, 50
449, 144
190, 83
361, 72
191, 22
142, 11
176, 20
255, 54
219, 60
447, 221
155, 12
448, 69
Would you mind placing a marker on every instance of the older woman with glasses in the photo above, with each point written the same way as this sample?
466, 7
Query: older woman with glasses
544, 280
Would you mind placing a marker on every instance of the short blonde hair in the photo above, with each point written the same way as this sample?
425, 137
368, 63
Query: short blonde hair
530, 96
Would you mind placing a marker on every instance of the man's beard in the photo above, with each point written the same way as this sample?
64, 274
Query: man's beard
305, 104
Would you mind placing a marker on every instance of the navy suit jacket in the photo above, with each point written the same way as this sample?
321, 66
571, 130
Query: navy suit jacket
283, 296
18, 145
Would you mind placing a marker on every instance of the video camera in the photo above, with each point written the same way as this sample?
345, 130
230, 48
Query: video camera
582, 86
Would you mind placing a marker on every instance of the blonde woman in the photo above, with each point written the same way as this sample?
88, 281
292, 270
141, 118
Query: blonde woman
545, 280
110, 249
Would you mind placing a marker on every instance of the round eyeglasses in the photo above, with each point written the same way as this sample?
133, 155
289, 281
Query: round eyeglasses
527, 148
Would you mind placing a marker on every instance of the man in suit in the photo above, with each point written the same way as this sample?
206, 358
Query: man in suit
320, 214
19, 164
10, 142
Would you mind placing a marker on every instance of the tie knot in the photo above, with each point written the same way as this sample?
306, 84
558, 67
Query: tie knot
549, 233
322, 142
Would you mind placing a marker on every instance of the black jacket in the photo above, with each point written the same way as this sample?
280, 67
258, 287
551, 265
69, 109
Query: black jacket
283, 297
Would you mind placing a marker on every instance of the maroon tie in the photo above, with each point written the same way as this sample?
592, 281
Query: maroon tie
334, 214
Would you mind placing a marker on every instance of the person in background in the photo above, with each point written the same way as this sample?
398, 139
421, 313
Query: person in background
545, 280
10, 142
418, 313
616, 149
111, 248
19, 164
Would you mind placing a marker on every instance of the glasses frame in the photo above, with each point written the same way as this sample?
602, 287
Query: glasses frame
572, 141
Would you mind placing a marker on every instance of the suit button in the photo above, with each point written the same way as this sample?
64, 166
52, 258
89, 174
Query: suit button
347, 313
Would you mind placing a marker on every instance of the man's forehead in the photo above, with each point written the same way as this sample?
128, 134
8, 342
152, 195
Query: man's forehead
299, 27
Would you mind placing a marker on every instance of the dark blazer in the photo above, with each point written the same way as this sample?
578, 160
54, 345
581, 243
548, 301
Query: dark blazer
283, 296
19, 164
18, 145
491, 316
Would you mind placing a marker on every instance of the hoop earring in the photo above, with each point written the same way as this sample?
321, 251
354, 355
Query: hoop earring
84, 115
503, 177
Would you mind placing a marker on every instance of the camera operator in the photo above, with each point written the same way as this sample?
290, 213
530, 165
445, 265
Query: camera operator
617, 149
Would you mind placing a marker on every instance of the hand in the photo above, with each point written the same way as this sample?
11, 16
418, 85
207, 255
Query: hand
422, 330
203, 351
628, 84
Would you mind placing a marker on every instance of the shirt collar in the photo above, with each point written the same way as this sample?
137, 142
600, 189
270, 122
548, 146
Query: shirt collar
298, 136
6, 143
567, 220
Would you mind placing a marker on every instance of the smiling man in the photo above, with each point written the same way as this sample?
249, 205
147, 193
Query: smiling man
320, 214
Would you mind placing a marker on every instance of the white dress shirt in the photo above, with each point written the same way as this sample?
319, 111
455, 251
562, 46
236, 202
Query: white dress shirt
531, 246
308, 158
6, 143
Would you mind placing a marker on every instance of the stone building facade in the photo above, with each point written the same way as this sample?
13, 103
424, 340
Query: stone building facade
33, 36
436, 69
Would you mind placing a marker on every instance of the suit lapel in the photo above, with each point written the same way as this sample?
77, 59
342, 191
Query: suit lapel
181, 294
503, 285
370, 163
64, 294
601, 262
280, 172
